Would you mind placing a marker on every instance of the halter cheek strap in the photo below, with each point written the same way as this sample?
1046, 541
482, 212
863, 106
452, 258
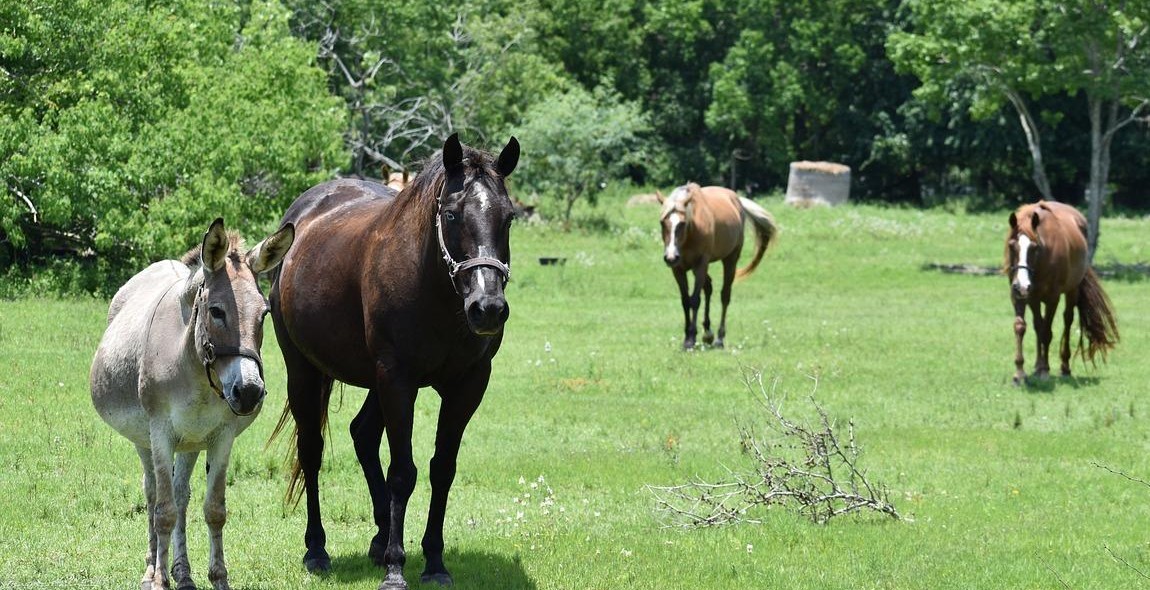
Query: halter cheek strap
453, 267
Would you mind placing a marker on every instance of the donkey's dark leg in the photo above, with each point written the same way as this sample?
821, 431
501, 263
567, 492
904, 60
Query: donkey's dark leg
459, 404
367, 433
1044, 330
1067, 320
689, 328
729, 268
1019, 334
397, 400
708, 335
308, 391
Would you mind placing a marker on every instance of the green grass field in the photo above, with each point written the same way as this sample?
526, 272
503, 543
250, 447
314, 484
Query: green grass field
592, 400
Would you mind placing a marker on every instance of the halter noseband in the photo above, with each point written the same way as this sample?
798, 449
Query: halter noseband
453, 267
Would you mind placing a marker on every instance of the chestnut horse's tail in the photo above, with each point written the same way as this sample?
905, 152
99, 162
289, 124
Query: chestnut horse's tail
1098, 326
766, 233
295, 488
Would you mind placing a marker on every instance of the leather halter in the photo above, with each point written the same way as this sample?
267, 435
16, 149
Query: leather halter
453, 267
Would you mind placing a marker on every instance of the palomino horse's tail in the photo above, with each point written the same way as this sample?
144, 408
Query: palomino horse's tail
1097, 322
295, 488
766, 233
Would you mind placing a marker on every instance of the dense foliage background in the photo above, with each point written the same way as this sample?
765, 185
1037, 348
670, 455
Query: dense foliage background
129, 124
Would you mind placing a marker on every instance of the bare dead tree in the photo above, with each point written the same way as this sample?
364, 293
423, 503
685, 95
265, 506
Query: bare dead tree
810, 469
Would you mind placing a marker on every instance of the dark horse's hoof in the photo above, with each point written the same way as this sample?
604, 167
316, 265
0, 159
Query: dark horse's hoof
376, 551
441, 578
394, 579
317, 562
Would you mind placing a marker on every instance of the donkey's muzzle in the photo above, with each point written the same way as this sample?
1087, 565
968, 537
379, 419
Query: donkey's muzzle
245, 399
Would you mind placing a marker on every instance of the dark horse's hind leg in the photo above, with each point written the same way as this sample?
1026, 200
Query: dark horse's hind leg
708, 335
308, 392
460, 400
367, 433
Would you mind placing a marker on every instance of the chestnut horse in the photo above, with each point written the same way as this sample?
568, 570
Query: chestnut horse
178, 371
702, 225
393, 292
1045, 259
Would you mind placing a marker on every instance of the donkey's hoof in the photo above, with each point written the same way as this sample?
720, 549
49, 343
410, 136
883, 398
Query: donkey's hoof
441, 578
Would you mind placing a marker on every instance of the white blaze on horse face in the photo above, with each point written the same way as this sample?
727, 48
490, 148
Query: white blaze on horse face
1022, 272
674, 220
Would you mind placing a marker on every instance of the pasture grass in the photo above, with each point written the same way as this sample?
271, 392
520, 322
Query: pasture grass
592, 400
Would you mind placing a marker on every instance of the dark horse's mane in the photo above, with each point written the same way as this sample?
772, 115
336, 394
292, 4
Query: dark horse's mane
417, 201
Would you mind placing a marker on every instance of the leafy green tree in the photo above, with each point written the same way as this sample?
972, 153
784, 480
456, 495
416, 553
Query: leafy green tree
576, 141
129, 125
1018, 51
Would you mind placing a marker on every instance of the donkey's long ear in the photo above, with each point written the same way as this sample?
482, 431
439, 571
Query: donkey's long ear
508, 158
214, 250
270, 252
453, 164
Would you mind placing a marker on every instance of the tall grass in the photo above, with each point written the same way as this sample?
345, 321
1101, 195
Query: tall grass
592, 400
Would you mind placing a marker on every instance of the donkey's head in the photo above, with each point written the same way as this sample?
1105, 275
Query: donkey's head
228, 312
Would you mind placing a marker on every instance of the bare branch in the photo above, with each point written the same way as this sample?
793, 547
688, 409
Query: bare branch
1120, 473
1125, 563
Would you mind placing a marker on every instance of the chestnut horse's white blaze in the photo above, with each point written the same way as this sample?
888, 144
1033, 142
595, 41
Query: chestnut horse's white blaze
177, 372
702, 225
1021, 280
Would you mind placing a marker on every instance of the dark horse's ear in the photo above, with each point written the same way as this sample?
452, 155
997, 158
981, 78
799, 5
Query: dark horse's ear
508, 158
453, 164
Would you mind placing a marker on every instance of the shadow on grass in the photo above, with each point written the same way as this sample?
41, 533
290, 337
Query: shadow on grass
470, 570
1050, 385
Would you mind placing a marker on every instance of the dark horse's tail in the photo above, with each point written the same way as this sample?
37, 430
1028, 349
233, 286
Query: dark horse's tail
1097, 322
766, 233
295, 489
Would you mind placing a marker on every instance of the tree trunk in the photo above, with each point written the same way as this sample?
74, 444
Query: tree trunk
1101, 137
1034, 142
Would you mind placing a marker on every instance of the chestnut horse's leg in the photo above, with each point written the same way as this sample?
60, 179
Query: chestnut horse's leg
181, 567
1044, 330
708, 335
308, 391
397, 400
1019, 333
460, 400
367, 434
689, 329
1067, 320
729, 269
150, 502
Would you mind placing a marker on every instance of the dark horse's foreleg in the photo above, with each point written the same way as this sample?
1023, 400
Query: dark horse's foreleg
397, 402
366, 434
689, 305
308, 392
1019, 333
1067, 320
708, 335
460, 401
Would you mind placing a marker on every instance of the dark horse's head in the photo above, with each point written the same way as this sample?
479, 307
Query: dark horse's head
473, 224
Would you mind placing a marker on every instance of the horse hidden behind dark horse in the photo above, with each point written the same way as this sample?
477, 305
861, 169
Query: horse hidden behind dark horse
394, 292
1046, 259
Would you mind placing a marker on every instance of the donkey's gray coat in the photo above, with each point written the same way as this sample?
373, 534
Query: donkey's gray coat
178, 372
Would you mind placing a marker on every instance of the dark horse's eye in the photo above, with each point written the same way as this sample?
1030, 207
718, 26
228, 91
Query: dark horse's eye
448, 215
217, 312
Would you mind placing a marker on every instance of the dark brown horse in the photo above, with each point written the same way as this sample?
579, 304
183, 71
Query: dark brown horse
1045, 259
393, 292
702, 225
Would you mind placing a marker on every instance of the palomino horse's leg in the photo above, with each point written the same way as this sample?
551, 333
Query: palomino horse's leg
215, 508
729, 269
708, 335
459, 403
165, 512
1067, 320
181, 567
397, 399
1019, 333
367, 433
307, 400
689, 329
1044, 330
149, 485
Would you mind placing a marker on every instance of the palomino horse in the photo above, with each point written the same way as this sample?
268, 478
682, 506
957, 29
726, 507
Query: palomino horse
702, 225
179, 371
1046, 259
394, 292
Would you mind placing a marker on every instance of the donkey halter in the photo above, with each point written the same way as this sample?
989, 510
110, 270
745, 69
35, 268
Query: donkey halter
454, 267
211, 351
